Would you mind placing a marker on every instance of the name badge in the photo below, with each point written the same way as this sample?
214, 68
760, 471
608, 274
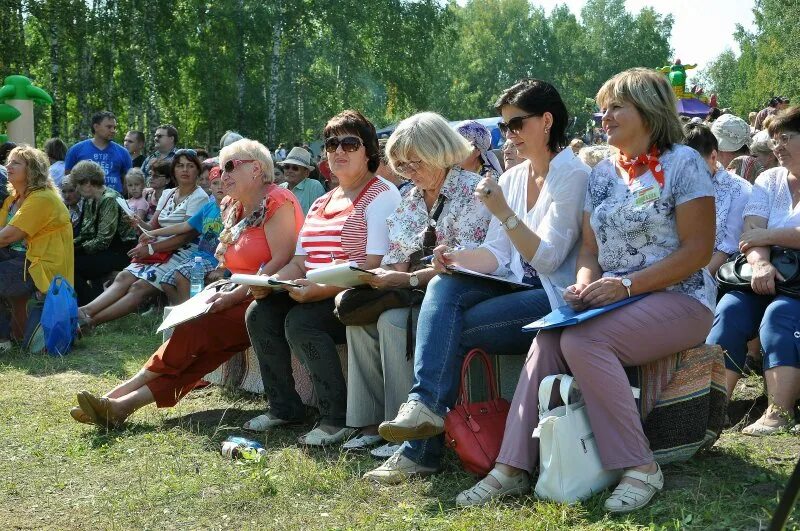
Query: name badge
647, 195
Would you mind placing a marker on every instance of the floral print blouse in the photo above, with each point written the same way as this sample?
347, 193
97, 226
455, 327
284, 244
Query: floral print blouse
635, 224
463, 221
731, 193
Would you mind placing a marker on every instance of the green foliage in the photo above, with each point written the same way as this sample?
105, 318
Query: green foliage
284, 67
768, 65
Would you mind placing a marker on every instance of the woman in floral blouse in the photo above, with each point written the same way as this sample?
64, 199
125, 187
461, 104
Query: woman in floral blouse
648, 227
536, 216
439, 210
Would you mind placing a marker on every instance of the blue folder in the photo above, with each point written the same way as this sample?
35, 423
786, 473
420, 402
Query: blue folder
566, 316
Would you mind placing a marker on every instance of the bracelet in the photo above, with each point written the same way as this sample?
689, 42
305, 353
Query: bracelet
150, 249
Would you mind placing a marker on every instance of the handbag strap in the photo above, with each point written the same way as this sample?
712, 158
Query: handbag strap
477, 353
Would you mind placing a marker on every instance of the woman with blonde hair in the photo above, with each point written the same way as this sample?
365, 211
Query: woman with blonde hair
648, 228
35, 234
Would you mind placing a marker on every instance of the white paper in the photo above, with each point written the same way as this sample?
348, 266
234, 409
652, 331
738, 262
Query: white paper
470, 272
124, 206
339, 275
257, 280
191, 309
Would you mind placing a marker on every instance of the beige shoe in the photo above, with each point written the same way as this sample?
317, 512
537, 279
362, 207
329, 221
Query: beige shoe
414, 421
627, 498
757, 429
482, 492
398, 469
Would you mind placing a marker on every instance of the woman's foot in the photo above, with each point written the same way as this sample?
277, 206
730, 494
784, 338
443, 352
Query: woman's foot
100, 411
366, 438
398, 469
495, 485
385, 451
772, 421
266, 422
84, 321
636, 488
326, 435
78, 414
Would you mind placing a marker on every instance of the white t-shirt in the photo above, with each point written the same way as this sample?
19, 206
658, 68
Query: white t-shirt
172, 213
771, 199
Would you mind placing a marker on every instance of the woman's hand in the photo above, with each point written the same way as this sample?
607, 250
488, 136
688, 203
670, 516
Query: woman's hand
603, 291
490, 193
386, 279
260, 292
215, 275
572, 296
443, 257
134, 221
222, 300
145, 239
139, 252
754, 238
764, 275
307, 292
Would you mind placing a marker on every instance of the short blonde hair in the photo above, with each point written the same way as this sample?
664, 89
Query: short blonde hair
37, 168
135, 174
429, 137
651, 94
250, 150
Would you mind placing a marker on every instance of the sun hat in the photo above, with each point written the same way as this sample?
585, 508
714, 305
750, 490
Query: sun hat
731, 131
299, 157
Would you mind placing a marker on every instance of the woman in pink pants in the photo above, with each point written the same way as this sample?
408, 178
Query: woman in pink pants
648, 227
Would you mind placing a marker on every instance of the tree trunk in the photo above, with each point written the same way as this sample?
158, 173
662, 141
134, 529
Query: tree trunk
274, 72
55, 68
240, 76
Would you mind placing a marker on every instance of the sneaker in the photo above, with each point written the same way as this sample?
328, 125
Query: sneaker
414, 421
398, 469
385, 451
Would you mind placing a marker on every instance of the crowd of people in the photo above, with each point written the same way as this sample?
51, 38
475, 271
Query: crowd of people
655, 210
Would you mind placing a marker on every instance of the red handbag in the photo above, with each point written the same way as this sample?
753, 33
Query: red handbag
475, 431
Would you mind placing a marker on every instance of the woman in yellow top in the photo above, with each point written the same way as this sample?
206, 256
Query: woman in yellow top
35, 233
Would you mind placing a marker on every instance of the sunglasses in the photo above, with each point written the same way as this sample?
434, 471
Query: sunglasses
293, 167
349, 144
514, 125
406, 167
235, 163
189, 152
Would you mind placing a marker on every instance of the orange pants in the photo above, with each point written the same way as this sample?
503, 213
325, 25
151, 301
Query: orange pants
195, 349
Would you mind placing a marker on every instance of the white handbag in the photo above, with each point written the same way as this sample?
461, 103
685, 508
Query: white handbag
569, 463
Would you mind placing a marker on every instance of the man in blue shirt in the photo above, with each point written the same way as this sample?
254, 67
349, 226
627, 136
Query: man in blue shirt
113, 158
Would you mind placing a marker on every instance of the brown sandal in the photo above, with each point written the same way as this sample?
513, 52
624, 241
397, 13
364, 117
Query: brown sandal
99, 410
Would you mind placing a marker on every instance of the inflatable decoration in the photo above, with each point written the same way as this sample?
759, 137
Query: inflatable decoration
17, 98
690, 103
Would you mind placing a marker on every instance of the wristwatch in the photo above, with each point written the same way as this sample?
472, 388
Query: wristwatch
511, 223
413, 280
626, 282
150, 249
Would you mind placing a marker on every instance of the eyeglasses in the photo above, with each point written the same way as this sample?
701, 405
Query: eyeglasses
781, 140
293, 167
349, 144
406, 167
514, 125
235, 163
189, 152
158, 136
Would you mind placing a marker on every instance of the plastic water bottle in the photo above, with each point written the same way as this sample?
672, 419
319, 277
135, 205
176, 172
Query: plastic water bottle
196, 283
241, 448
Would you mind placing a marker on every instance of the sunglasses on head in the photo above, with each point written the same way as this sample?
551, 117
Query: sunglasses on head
515, 124
349, 144
189, 152
235, 163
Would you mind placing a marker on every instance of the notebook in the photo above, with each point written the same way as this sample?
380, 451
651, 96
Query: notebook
566, 316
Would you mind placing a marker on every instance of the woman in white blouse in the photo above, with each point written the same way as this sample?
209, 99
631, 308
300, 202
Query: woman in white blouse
772, 219
440, 209
536, 218
141, 280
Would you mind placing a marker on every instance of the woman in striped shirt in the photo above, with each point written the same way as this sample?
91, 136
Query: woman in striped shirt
348, 223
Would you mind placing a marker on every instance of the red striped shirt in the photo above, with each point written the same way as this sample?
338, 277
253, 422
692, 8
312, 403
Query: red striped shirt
328, 236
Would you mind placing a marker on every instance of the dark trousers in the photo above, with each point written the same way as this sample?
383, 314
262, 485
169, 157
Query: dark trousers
14, 283
278, 326
93, 267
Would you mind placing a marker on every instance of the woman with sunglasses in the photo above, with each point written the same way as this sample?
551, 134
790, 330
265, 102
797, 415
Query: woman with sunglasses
536, 214
648, 228
261, 221
348, 223
440, 209
142, 280
771, 218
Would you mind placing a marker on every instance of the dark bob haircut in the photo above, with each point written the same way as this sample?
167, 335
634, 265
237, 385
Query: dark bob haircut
354, 123
700, 138
181, 154
537, 97
785, 120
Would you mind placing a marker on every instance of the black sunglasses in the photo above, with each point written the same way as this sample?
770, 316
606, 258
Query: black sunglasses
190, 152
349, 144
293, 167
514, 125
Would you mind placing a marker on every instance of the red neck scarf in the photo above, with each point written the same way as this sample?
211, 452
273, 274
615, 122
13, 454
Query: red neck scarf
650, 160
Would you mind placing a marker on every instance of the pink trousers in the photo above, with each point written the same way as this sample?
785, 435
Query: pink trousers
595, 353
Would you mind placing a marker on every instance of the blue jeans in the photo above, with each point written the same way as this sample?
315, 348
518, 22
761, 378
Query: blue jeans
458, 314
742, 316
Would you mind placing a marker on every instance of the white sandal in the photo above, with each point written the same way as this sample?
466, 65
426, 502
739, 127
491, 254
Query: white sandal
482, 492
265, 422
627, 498
362, 441
319, 437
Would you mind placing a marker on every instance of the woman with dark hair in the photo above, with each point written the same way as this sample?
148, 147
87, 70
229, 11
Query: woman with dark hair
159, 179
348, 223
142, 279
56, 151
536, 222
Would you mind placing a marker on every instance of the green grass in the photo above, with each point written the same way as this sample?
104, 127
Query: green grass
165, 471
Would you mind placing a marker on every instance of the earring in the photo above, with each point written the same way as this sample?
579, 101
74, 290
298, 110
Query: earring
546, 130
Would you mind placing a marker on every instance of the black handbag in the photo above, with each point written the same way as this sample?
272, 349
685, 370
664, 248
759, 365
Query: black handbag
736, 274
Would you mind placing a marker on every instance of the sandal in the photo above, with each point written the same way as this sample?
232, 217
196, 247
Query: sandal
482, 492
757, 429
385, 451
362, 441
266, 422
99, 410
627, 498
80, 416
319, 437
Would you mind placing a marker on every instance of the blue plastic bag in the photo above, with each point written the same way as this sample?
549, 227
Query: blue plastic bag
60, 317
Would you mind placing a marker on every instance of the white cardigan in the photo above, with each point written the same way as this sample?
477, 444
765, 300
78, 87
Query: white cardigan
556, 218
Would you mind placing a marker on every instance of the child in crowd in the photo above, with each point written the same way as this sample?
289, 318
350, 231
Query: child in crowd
73, 201
204, 182
160, 178
208, 224
134, 184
